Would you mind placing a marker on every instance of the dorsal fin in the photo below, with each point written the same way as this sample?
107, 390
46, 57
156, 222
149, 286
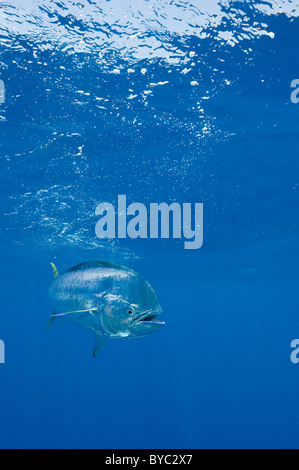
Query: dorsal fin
55, 271
99, 264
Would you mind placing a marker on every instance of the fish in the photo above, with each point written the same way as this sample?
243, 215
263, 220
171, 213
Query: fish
111, 300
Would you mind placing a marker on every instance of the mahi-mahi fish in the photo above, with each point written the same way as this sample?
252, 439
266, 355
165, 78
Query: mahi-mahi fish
111, 300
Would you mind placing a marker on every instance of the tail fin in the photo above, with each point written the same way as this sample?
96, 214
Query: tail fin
55, 271
55, 274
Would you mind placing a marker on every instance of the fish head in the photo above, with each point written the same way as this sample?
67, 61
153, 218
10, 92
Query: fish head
133, 310
146, 321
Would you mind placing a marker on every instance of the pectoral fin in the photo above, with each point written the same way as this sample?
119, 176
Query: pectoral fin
90, 310
98, 344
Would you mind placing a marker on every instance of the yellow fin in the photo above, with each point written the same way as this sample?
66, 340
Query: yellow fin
55, 271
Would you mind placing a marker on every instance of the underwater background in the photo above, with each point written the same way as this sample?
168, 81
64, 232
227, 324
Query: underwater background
163, 101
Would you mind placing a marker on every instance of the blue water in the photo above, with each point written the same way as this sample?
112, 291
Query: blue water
163, 101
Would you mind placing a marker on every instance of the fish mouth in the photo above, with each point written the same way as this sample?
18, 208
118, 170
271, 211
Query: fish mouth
148, 317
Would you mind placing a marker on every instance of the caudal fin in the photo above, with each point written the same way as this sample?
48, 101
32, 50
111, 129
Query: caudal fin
55, 271
55, 274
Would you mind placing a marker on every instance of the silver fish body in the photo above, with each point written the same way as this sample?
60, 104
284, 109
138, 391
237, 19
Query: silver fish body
111, 300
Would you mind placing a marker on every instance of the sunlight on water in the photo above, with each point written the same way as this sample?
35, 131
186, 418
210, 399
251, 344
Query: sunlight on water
175, 68
135, 30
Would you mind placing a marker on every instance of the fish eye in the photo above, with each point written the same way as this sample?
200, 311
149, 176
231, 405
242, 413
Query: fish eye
130, 312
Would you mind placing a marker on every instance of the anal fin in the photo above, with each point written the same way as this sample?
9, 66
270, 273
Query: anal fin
100, 340
50, 322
